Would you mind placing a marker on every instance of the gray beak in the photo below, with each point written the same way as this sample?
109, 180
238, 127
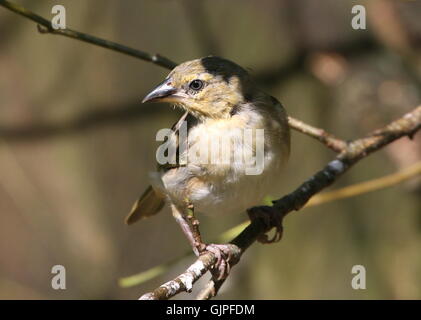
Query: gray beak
163, 90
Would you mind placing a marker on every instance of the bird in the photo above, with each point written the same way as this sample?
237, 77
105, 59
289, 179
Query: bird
221, 101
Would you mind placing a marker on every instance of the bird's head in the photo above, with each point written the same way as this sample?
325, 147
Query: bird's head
209, 87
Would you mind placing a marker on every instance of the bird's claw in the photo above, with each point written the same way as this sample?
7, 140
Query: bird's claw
222, 252
271, 218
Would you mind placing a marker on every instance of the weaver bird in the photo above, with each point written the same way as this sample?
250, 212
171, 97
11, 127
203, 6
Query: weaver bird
219, 99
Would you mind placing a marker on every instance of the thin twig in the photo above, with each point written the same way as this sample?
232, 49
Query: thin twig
376, 184
356, 150
212, 287
367, 186
328, 139
210, 290
185, 281
44, 26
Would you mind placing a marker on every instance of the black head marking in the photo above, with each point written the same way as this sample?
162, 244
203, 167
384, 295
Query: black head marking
227, 69
222, 67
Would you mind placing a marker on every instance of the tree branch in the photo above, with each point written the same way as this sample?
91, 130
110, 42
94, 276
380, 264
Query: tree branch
100, 117
44, 26
411, 172
324, 137
367, 186
356, 150
185, 281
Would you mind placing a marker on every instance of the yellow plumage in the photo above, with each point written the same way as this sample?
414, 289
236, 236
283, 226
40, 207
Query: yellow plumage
221, 101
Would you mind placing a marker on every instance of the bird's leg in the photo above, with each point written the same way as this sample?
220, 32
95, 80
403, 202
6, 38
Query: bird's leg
194, 222
190, 226
272, 218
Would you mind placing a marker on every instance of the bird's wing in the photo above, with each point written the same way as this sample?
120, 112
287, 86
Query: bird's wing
151, 202
190, 122
147, 205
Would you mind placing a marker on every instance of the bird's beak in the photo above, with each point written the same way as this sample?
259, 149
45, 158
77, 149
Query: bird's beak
162, 92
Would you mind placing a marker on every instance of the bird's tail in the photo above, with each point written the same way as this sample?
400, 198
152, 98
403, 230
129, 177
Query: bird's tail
148, 204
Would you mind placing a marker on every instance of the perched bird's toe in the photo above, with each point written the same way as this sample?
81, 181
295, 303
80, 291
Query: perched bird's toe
223, 256
271, 218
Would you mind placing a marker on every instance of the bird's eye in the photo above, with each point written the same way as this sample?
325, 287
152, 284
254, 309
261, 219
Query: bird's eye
196, 85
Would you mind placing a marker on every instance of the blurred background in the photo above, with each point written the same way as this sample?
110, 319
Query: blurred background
76, 145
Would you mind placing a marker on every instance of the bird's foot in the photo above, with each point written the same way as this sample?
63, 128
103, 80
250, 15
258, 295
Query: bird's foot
224, 257
272, 218
198, 247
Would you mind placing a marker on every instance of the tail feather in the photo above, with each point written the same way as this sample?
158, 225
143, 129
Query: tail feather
148, 204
